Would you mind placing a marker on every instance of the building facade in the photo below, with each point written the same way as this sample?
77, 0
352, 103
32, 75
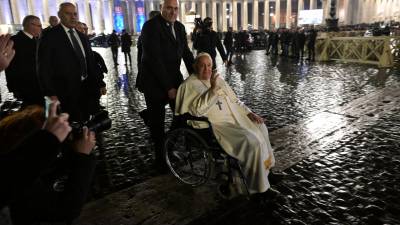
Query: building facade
102, 16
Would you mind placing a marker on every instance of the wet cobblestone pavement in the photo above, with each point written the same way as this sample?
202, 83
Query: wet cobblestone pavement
283, 92
352, 181
351, 176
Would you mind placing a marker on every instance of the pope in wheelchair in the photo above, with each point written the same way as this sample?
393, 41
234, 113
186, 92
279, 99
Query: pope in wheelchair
241, 133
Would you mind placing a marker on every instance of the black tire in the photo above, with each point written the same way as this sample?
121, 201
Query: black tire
187, 156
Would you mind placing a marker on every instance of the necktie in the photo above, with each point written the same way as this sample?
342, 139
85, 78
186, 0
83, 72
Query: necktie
79, 53
171, 27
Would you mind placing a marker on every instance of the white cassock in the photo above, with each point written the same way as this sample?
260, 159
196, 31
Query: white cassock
240, 137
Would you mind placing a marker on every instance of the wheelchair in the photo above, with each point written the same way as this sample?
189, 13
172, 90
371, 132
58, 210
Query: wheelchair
194, 156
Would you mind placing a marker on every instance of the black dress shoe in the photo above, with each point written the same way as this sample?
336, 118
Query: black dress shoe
271, 194
266, 198
275, 177
144, 114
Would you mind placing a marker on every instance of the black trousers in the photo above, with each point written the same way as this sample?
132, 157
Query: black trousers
229, 52
114, 51
311, 51
156, 113
128, 56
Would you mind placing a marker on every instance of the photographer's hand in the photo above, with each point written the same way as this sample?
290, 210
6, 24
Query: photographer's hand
86, 142
6, 51
172, 93
57, 124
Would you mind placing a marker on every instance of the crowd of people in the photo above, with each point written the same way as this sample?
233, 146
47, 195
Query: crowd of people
285, 42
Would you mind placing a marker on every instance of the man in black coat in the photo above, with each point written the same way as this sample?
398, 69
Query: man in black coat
301, 40
312, 38
228, 42
126, 43
97, 87
207, 40
114, 43
21, 75
139, 51
66, 65
164, 44
53, 21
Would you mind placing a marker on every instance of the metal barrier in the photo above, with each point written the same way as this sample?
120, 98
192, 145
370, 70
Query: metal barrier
379, 51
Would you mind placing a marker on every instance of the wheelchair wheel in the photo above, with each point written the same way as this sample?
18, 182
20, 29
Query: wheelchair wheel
187, 156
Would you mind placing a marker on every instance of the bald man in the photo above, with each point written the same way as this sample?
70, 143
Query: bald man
164, 45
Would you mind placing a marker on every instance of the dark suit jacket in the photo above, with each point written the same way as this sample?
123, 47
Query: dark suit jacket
126, 42
61, 72
161, 57
21, 74
46, 30
139, 64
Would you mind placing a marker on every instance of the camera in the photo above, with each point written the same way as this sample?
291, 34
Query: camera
203, 24
198, 23
97, 123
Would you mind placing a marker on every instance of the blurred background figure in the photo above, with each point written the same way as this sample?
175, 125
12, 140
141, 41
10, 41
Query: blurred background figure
311, 38
228, 42
53, 21
206, 40
114, 43
126, 43
98, 86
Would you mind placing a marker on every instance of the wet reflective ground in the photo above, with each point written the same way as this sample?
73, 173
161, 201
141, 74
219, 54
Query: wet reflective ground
353, 181
284, 91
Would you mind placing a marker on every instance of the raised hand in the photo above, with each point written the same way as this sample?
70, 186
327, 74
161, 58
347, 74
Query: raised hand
6, 51
213, 80
255, 118
172, 93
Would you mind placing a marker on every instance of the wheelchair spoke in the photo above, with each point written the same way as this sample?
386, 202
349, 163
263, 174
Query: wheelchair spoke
186, 156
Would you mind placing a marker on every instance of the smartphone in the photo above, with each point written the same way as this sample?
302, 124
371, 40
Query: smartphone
47, 102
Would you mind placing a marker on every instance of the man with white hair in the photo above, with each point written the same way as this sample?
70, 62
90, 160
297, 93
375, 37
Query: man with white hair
66, 65
164, 45
21, 75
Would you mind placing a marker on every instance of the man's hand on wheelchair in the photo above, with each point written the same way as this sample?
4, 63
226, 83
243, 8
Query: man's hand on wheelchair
172, 93
255, 118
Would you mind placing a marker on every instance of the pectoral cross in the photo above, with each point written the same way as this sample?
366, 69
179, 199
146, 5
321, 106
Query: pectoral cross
219, 104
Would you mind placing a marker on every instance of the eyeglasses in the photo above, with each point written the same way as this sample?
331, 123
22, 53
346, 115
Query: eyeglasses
36, 25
